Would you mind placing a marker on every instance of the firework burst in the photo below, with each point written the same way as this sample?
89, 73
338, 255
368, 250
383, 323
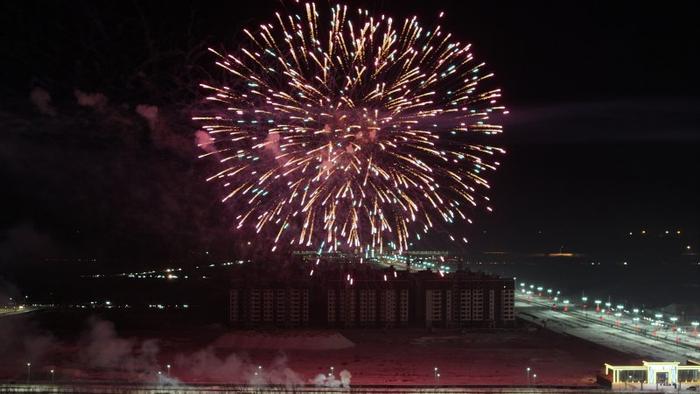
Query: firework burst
349, 131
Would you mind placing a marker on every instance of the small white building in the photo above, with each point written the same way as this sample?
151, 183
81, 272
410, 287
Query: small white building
653, 375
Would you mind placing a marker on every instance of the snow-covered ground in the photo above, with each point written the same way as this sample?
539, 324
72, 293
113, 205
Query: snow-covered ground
102, 351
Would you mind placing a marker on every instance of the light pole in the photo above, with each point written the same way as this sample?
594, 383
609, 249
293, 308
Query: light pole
695, 327
527, 375
673, 319
52, 376
168, 368
597, 305
29, 371
674, 329
534, 379
331, 371
435, 374
438, 378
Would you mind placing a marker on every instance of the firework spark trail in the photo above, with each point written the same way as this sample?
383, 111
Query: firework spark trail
350, 132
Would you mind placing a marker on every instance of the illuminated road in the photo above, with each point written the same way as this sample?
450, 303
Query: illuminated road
16, 311
614, 330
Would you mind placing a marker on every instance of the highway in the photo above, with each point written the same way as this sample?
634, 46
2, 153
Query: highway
9, 311
612, 327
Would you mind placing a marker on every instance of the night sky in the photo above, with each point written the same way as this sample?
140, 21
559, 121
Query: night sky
603, 135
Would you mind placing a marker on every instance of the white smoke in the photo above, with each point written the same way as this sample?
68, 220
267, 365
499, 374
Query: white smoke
42, 101
204, 141
150, 113
93, 100
101, 347
329, 380
272, 143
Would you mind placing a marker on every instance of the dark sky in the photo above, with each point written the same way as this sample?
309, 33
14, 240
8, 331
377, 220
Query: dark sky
603, 135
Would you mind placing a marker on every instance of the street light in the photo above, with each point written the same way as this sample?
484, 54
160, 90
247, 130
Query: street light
527, 375
168, 368
534, 378
29, 371
52, 375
